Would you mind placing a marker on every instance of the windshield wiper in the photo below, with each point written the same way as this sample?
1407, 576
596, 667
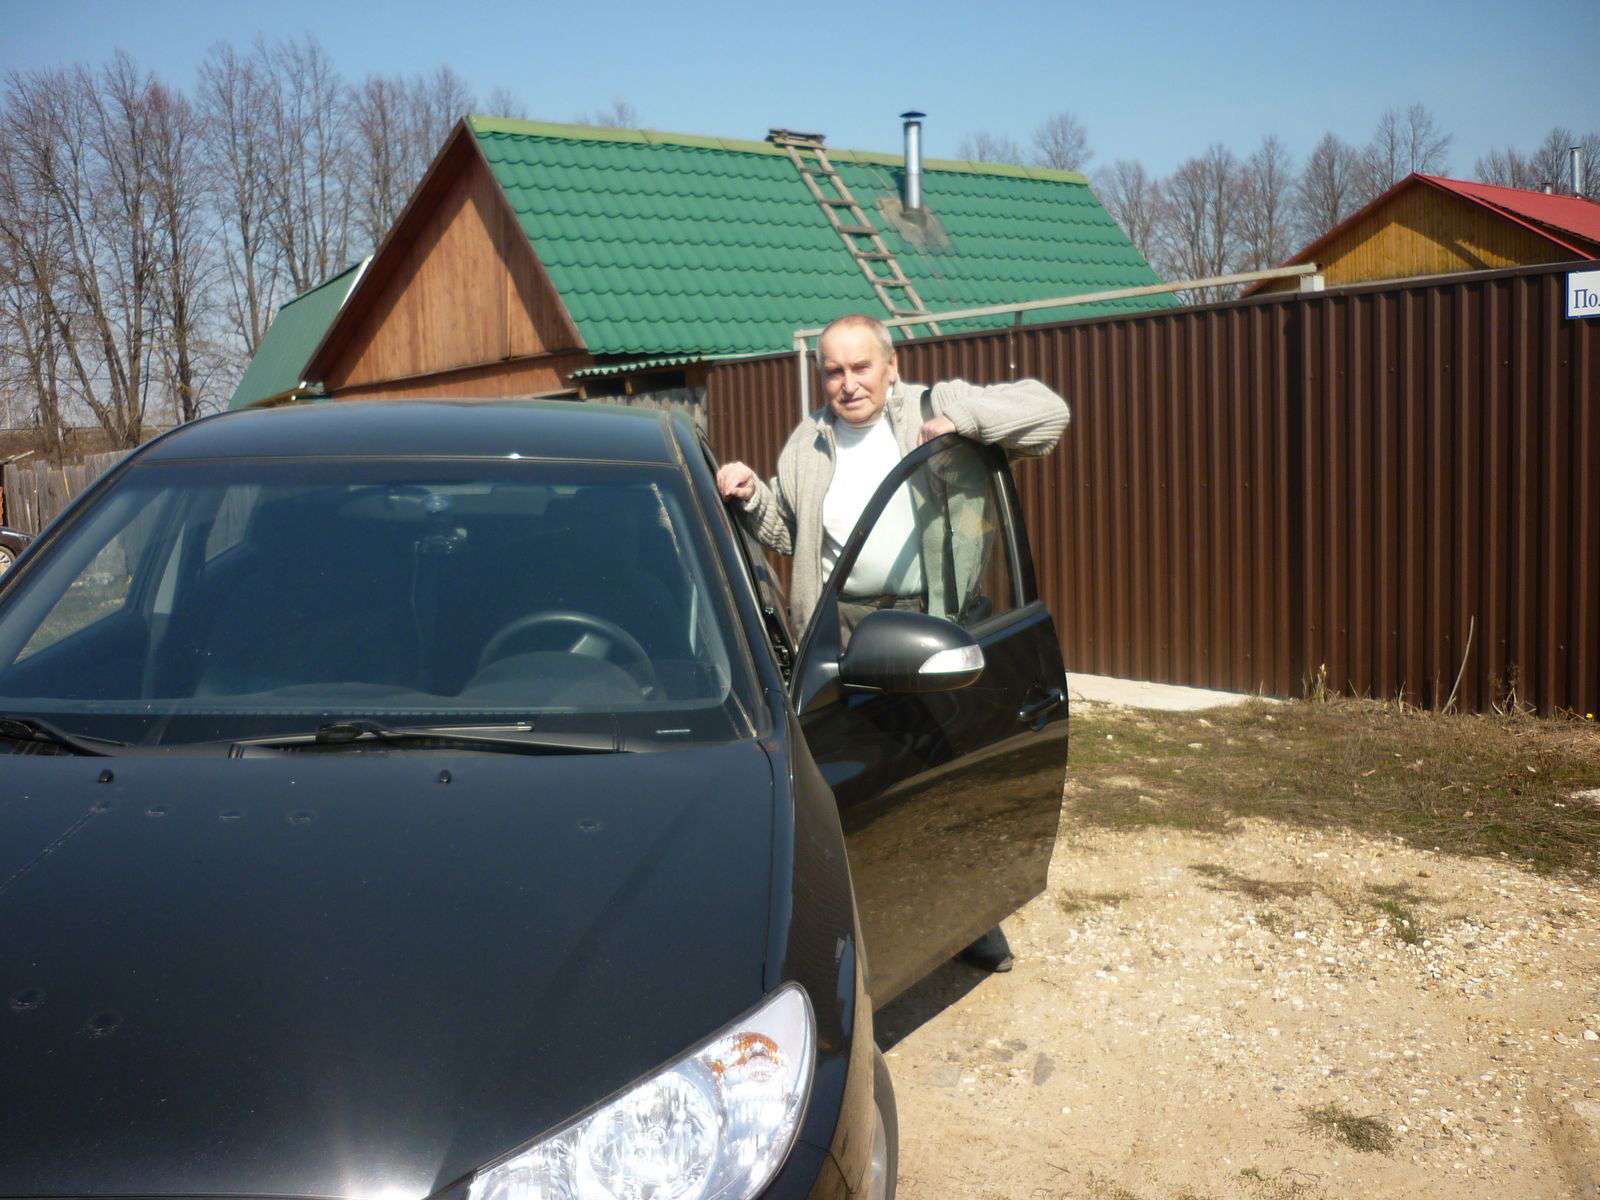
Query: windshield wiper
514, 738
31, 729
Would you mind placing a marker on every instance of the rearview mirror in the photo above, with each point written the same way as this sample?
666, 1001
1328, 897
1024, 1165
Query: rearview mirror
895, 650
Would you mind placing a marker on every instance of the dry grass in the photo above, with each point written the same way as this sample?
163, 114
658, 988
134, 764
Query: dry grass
1225, 879
1404, 922
1496, 785
1284, 1185
1367, 1134
1395, 901
1106, 1189
1073, 902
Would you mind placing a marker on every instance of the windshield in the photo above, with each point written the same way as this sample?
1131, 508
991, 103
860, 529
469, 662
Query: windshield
201, 601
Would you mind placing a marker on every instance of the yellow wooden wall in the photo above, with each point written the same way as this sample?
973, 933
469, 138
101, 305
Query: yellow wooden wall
1425, 231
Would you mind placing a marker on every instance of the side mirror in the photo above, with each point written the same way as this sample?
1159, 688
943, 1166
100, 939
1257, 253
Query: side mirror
898, 651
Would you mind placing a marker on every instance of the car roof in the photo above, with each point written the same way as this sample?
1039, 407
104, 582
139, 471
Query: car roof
426, 429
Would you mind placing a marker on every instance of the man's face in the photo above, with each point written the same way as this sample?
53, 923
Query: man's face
856, 374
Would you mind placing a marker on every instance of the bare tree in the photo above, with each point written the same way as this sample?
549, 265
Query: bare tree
146, 239
235, 91
1404, 142
437, 102
1133, 199
1548, 165
1330, 186
182, 246
30, 363
31, 359
1427, 146
1266, 206
619, 114
309, 161
380, 168
1198, 231
504, 102
117, 275
990, 148
84, 168
1062, 143
1551, 164
1507, 168
1382, 158
397, 126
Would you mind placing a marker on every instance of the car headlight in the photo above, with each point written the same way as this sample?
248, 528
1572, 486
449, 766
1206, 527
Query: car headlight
717, 1122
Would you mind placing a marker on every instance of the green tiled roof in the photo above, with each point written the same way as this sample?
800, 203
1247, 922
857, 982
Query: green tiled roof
663, 244
276, 370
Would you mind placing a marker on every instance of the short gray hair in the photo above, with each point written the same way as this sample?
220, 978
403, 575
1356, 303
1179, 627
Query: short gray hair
860, 321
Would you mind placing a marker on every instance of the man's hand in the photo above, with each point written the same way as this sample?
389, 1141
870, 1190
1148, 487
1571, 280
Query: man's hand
736, 481
937, 427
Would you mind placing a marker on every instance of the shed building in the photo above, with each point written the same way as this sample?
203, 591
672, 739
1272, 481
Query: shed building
538, 260
1428, 225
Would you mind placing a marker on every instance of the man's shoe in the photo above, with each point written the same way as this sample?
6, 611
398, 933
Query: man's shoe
991, 952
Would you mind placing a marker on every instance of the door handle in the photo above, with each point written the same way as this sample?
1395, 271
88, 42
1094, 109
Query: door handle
1032, 712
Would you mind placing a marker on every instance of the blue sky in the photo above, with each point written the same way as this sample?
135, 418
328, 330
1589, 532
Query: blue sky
1155, 82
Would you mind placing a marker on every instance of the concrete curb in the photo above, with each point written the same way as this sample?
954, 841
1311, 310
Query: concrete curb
1138, 693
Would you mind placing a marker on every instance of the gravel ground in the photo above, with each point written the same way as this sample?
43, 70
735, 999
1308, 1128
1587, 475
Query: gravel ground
1198, 1015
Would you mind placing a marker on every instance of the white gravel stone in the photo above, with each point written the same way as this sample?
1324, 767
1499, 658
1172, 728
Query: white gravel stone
1236, 1012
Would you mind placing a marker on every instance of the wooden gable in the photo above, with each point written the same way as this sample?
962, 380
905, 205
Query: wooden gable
455, 302
1422, 230
1425, 231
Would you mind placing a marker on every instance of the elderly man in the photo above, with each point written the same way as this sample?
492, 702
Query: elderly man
836, 458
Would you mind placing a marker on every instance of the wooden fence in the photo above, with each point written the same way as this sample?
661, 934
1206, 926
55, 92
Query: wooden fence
36, 491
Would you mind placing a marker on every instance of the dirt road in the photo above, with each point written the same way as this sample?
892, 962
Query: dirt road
1270, 1012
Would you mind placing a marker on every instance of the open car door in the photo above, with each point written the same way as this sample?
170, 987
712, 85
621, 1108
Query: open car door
950, 800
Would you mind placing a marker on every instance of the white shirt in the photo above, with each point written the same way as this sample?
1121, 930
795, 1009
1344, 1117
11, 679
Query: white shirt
890, 562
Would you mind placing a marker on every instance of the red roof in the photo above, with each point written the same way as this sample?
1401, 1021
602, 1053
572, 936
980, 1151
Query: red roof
1555, 218
1547, 215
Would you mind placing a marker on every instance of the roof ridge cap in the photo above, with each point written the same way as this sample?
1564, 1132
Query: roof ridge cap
655, 137
1533, 193
328, 282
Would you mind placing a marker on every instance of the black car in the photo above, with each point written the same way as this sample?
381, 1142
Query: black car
11, 543
432, 800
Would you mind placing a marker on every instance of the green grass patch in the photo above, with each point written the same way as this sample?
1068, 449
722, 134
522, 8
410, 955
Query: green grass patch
1073, 902
1487, 785
1367, 1134
1403, 921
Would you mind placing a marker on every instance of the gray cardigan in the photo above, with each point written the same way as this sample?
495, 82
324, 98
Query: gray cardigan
1025, 417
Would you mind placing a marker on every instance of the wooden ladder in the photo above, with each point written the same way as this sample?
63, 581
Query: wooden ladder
860, 236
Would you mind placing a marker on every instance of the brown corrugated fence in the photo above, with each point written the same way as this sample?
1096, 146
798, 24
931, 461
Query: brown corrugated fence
1394, 489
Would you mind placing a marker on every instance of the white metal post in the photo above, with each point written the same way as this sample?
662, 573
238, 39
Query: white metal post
804, 368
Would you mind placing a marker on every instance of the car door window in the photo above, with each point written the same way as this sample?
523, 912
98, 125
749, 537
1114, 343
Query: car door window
949, 799
100, 588
968, 542
935, 543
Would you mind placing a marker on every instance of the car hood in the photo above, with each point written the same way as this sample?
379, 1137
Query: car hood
357, 974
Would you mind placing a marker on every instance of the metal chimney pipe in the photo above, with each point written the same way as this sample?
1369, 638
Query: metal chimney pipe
1575, 158
912, 201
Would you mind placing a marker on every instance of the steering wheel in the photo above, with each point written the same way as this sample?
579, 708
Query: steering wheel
598, 638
